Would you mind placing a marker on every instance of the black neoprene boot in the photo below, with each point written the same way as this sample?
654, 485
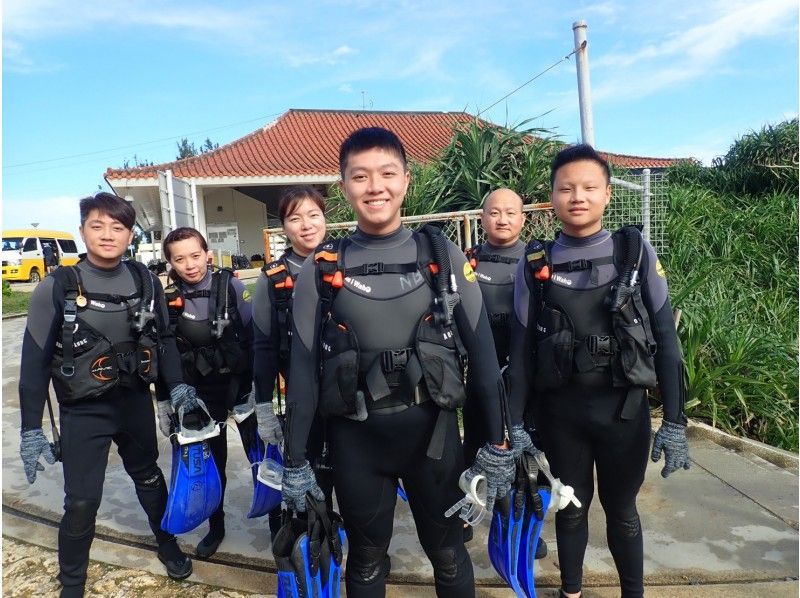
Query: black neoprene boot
179, 566
208, 545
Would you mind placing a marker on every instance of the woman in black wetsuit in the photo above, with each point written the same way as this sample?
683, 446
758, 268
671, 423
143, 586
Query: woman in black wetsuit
220, 368
302, 213
372, 353
594, 331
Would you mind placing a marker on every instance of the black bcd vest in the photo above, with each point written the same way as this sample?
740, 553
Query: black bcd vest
433, 368
282, 282
599, 336
86, 364
217, 346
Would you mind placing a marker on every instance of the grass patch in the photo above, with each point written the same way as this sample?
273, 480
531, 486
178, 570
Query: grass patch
15, 302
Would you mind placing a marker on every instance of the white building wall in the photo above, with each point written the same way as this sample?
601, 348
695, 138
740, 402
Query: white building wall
226, 205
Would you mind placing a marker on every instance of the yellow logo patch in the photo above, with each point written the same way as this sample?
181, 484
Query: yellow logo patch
469, 273
660, 269
246, 296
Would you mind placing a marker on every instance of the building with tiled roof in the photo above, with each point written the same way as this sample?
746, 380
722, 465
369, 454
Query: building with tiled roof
231, 193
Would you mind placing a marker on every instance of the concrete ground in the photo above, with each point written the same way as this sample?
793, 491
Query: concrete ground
727, 527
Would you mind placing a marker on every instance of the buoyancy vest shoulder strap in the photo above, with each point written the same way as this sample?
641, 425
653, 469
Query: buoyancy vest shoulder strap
68, 278
280, 278
221, 306
146, 288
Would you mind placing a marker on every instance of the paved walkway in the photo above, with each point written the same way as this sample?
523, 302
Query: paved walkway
729, 526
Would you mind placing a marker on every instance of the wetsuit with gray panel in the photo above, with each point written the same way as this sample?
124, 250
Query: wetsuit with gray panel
585, 416
219, 388
383, 311
124, 414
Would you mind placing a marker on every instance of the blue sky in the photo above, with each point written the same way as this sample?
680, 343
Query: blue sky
87, 85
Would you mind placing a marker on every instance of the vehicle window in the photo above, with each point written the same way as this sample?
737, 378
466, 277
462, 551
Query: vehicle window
67, 246
30, 244
12, 243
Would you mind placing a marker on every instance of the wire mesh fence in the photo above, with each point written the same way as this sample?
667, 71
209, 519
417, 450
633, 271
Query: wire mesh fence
638, 198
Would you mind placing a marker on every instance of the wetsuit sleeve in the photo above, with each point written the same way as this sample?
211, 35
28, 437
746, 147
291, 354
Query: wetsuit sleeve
243, 303
670, 369
476, 335
303, 391
520, 364
170, 370
38, 344
266, 341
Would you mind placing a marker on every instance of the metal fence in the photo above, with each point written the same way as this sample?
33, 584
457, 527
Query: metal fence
637, 199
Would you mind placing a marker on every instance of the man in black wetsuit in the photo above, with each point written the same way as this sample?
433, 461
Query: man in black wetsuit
495, 265
593, 331
373, 353
117, 342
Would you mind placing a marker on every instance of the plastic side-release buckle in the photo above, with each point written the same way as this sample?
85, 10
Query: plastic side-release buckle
395, 361
375, 268
600, 345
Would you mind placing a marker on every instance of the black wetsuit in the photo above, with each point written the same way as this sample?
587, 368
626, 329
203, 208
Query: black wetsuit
495, 269
123, 415
269, 362
215, 388
369, 457
581, 424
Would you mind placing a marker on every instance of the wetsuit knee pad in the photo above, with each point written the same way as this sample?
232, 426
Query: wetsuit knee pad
624, 527
572, 518
80, 515
448, 563
366, 564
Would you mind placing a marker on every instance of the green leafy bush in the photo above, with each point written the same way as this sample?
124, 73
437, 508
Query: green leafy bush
732, 269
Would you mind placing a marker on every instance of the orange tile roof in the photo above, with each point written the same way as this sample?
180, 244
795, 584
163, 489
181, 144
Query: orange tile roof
306, 143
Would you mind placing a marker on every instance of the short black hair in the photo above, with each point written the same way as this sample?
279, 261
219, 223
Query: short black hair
369, 138
111, 205
574, 153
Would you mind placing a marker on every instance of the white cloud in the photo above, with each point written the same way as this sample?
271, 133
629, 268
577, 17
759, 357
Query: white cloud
56, 213
346, 88
692, 53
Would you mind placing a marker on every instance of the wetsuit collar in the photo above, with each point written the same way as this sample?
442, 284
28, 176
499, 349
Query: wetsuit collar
101, 272
388, 241
200, 286
566, 240
507, 250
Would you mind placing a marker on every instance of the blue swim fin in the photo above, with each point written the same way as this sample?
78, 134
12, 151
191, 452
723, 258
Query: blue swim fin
195, 488
308, 553
505, 533
531, 530
265, 499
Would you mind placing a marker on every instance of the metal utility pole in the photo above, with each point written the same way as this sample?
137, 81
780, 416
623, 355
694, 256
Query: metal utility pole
584, 89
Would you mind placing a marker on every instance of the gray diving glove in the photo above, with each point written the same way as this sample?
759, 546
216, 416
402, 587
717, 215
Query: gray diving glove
497, 466
269, 426
166, 417
671, 438
297, 481
520, 440
185, 396
34, 444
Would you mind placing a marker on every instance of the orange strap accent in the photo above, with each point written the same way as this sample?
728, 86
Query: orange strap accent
177, 302
326, 256
473, 262
543, 273
276, 269
434, 268
337, 281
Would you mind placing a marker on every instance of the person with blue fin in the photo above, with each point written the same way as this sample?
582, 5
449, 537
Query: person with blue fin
301, 209
593, 333
210, 316
384, 321
100, 331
